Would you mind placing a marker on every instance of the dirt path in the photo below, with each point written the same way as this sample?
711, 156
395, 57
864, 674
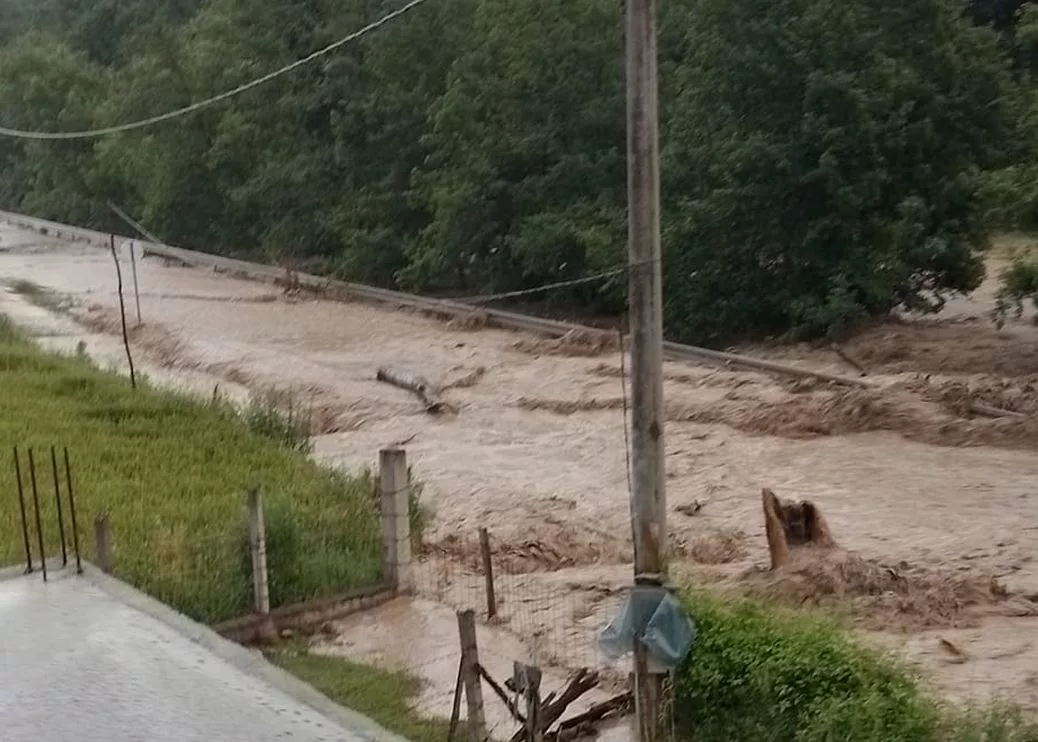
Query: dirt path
536, 451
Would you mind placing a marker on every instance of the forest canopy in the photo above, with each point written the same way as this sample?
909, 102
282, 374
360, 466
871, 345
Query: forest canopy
822, 162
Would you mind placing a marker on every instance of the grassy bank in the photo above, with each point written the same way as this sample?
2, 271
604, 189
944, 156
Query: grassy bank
765, 676
385, 696
173, 473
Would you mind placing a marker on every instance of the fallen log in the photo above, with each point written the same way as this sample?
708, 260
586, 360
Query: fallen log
417, 385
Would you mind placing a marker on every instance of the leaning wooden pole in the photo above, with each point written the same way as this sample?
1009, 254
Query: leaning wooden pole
122, 313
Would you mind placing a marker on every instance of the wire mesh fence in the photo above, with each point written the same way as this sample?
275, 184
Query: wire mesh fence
557, 616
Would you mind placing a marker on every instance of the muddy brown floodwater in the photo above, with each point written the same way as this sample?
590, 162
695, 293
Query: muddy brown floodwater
535, 451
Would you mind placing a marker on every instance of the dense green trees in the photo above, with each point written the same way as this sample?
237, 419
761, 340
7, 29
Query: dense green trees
822, 161
841, 171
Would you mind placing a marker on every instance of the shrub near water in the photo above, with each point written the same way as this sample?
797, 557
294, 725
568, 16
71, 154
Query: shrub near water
755, 675
768, 677
173, 473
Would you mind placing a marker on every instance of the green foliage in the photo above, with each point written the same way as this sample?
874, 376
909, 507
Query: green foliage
173, 473
822, 161
840, 175
525, 181
278, 415
1017, 284
386, 697
772, 677
756, 675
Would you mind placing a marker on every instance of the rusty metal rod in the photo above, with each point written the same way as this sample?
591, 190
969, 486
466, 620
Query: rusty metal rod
57, 502
39, 521
72, 512
21, 506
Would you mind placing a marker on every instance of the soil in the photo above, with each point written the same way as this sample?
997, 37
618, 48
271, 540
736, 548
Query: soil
905, 472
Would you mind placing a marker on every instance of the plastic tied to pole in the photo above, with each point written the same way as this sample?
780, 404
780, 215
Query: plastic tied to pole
655, 617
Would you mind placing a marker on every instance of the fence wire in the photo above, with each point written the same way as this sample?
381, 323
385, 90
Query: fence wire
557, 620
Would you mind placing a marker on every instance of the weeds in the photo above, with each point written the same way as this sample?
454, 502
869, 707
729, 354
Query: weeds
173, 473
420, 514
280, 416
758, 675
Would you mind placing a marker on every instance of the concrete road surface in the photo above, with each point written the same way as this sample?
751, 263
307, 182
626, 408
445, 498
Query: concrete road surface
87, 659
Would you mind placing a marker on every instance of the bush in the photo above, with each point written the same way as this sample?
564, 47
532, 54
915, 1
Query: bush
762, 676
1018, 283
765, 676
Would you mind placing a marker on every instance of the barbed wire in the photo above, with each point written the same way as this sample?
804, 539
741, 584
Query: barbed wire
206, 102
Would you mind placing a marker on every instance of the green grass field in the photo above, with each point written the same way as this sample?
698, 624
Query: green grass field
384, 696
173, 473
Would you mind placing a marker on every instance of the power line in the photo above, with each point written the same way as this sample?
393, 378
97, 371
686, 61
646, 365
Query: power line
480, 299
485, 298
197, 106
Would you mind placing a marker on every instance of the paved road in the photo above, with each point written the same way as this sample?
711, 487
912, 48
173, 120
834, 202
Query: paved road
78, 663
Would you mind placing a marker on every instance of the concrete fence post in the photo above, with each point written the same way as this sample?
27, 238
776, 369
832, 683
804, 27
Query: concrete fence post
394, 495
258, 551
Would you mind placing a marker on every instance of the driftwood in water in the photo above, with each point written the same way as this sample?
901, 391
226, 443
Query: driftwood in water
417, 385
979, 408
790, 525
846, 358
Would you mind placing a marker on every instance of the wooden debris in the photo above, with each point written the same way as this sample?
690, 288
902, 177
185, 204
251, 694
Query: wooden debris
456, 705
848, 360
956, 655
691, 508
582, 725
417, 385
500, 693
791, 524
979, 408
555, 705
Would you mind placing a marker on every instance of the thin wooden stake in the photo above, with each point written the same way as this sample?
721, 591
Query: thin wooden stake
122, 312
528, 679
456, 706
488, 572
500, 693
136, 289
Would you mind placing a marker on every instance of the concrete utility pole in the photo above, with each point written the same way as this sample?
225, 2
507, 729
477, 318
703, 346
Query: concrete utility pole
648, 496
